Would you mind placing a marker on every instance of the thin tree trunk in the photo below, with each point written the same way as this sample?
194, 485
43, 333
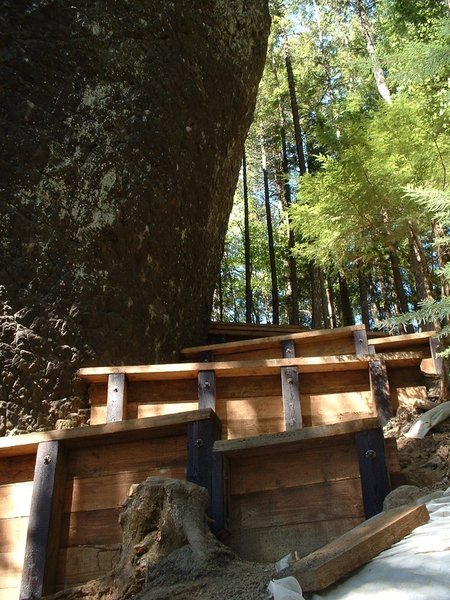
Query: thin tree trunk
398, 284
346, 306
248, 274
331, 303
419, 270
294, 316
325, 305
376, 308
443, 254
378, 73
220, 290
363, 299
316, 304
273, 265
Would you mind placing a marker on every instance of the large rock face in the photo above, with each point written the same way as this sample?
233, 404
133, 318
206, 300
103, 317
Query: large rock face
122, 128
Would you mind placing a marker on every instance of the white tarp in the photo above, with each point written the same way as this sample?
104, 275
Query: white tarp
416, 568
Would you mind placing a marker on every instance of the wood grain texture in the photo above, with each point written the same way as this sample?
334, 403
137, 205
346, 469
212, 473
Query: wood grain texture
301, 437
17, 469
11, 564
109, 491
306, 504
80, 564
293, 468
114, 432
108, 459
13, 535
91, 528
327, 565
269, 544
15, 499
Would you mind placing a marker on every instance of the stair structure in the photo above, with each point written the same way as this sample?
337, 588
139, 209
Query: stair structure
282, 426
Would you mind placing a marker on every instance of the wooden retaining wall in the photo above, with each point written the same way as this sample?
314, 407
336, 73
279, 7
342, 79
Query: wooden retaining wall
61, 491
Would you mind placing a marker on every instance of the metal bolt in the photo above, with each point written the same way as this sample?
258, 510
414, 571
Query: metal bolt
206, 384
115, 389
199, 443
47, 460
371, 454
290, 380
288, 350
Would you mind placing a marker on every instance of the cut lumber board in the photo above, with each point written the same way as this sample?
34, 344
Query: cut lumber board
308, 364
406, 340
283, 439
274, 341
250, 330
327, 565
153, 426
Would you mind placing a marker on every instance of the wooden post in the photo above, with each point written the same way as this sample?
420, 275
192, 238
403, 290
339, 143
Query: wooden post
205, 468
290, 390
116, 402
361, 344
379, 385
437, 362
207, 390
42, 545
373, 470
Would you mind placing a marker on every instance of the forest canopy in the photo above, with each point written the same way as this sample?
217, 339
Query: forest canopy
341, 214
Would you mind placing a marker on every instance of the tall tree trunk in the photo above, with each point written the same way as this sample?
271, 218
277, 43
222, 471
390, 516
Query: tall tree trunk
111, 240
272, 259
346, 306
248, 270
294, 316
363, 298
443, 255
316, 304
328, 324
420, 272
398, 284
376, 308
220, 289
378, 73
331, 303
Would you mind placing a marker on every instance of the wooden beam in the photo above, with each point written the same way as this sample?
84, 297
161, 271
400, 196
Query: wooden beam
340, 557
44, 524
207, 389
206, 469
274, 341
131, 429
290, 390
437, 361
249, 368
379, 385
373, 470
256, 444
116, 401
361, 344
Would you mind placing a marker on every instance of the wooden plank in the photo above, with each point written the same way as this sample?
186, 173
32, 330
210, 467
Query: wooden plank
143, 411
207, 389
116, 398
399, 341
206, 469
373, 470
331, 460
107, 459
13, 535
44, 523
17, 469
11, 571
306, 504
281, 440
438, 363
10, 593
360, 341
80, 564
90, 528
250, 416
15, 499
110, 491
269, 544
379, 385
293, 334
125, 430
340, 557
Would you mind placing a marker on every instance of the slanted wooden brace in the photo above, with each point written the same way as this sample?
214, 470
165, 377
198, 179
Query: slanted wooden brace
42, 545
